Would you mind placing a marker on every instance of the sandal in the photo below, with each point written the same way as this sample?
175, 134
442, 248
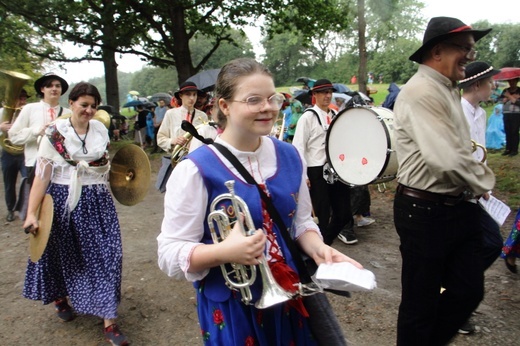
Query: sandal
114, 335
63, 310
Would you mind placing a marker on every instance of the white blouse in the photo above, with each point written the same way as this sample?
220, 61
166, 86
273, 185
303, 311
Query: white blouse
186, 200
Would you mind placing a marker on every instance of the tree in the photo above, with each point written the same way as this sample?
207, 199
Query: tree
106, 27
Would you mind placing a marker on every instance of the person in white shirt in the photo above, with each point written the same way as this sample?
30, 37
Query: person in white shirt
331, 202
35, 117
477, 87
170, 132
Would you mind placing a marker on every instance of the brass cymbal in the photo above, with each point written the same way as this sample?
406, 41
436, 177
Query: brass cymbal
130, 175
103, 116
38, 242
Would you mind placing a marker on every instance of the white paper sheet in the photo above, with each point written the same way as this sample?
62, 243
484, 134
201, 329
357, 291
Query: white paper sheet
345, 276
496, 208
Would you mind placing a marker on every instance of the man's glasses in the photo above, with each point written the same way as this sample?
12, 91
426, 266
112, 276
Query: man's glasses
471, 53
256, 103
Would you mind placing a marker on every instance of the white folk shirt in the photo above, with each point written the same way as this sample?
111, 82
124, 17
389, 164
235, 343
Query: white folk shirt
26, 128
171, 125
310, 136
476, 118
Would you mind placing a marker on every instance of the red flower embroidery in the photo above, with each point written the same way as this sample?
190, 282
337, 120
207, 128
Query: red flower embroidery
250, 341
218, 318
259, 317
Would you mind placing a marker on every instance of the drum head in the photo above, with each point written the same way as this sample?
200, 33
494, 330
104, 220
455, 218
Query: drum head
357, 145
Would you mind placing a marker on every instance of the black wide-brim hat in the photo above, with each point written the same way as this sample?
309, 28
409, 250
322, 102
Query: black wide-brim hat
476, 71
439, 29
51, 75
187, 86
322, 84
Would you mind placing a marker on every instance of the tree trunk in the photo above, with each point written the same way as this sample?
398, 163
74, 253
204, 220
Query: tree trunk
111, 81
362, 80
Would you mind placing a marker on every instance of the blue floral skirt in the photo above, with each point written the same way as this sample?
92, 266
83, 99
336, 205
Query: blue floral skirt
512, 244
83, 258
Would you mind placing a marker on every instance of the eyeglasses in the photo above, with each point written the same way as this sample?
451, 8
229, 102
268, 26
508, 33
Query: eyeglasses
471, 53
256, 103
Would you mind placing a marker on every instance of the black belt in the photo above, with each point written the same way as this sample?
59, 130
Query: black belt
431, 196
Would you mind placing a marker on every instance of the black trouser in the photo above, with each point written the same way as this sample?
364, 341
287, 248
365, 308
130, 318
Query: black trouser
11, 165
492, 239
512, 127
441, 246
331, 204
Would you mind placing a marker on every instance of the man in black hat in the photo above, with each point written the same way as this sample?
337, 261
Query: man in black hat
34, 119
170, 132
331, 202
439, 229
12, 164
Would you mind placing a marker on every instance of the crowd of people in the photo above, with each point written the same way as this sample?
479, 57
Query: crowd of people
264, 183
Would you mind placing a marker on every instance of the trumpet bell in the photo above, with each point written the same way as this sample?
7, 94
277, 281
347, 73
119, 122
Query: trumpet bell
130, 175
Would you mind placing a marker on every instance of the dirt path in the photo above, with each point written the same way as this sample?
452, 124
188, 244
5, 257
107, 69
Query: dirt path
156, 310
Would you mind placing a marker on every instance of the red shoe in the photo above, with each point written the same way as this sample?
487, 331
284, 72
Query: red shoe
114, 336
63, 310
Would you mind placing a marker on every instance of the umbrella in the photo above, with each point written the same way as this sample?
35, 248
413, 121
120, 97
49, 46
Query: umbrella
307, 81
508, 73
304, 96
205, 80
133, 92
340, 88
161, 96
133, 103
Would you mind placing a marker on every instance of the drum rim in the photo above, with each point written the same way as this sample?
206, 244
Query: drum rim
388, 143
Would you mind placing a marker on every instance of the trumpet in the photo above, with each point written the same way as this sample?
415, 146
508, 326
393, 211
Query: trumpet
475, 146
181, 150
241, 277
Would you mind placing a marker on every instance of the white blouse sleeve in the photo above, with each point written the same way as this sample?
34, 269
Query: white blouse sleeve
183, 224
303, 220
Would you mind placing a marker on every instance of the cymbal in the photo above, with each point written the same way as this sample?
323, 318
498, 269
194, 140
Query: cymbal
130, 175
38, 242
103, 116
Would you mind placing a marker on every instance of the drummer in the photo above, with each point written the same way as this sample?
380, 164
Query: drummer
331, 202
83, 258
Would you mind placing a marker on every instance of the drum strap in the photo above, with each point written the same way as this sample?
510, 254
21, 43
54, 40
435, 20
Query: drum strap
318, 116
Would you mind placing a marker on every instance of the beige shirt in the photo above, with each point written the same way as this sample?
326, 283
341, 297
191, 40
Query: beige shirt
432, 137
171, 126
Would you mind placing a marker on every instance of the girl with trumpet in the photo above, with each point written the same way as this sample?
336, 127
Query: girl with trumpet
247, 106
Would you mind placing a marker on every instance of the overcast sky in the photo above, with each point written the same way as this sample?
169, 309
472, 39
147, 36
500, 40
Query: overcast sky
469, 11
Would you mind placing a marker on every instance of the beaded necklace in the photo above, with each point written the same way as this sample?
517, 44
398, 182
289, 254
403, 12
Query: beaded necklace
83, 147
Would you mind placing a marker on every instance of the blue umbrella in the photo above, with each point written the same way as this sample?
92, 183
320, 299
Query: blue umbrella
133, 103
340, 88
205, 80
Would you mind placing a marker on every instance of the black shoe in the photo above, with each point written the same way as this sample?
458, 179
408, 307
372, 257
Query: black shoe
467, 328
507, 152
348, 238
511, 267
514, 153
10, 216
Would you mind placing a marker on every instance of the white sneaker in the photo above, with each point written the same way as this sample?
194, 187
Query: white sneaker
365, 222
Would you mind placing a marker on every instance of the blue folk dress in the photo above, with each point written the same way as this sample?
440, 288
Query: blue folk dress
83, 257
224, 319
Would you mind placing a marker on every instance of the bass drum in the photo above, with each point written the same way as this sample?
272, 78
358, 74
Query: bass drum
360, 146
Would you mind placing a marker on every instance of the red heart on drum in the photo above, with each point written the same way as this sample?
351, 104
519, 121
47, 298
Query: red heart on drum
342, 157
364, 161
